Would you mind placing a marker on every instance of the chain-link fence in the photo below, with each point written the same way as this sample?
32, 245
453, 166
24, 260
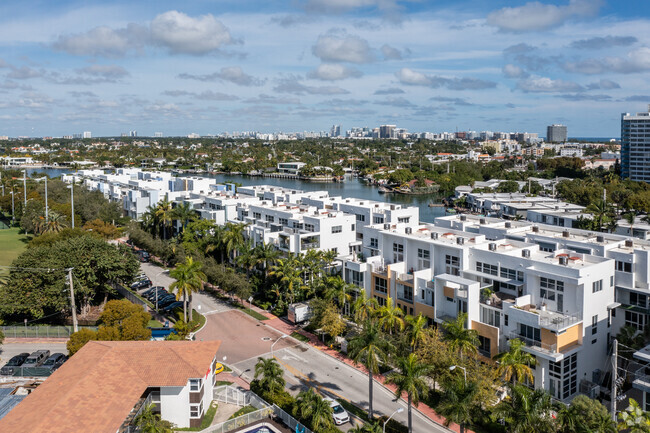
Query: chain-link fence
40, 331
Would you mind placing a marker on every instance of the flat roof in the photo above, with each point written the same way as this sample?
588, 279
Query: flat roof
96, 389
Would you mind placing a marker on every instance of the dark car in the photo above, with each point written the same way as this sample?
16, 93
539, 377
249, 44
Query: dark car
15, 362
142, 284
54, 361
144, 256
151, 293
162, 303
152, 290
161, 294
171, 307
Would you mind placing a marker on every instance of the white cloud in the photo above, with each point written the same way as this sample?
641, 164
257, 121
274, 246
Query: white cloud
23, 73
105, 71
414, 78
292, 84
636, 61
333, 72
547, 85
514, 71
101, 41
183, 34
598, 43
534, 16
391, 53
342, 47
233, 74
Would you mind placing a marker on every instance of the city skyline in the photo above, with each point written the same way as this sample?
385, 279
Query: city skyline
71, 66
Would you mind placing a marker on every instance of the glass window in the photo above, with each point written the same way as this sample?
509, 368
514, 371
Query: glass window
623, 266
337, 229
374, 243
381, 285
594, 324
597, 286
195, 384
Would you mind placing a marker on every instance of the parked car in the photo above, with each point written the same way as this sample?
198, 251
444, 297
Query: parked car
142, 284
339, 414
166, 301
36, 358
10, 367
55, 361
144, 256
171, 307
218, 368
151, 293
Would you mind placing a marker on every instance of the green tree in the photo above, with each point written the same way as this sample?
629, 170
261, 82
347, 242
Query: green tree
164, 215
634, 419
516, 363
331, 321
184, 213
338, 290
415, 329
233, 238
390, 317
364, 307
371, 350
410, 379
526, 411
269, 375
189, 279
150, 422
585, 415
459, 403
267, 255
79, 339
123, 320
460, 339
313, 410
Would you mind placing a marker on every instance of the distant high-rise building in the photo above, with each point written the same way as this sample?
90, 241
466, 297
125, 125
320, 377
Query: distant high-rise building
87, 134
387, 131
158, 134
556, 133
335, 131
133, 133
635, 145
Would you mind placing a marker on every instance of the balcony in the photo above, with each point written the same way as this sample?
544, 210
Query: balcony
309, 245
534, 344
558, 321
380, 269
405, 277
496, 299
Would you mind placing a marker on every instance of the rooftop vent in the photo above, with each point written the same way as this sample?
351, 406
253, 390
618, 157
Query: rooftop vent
460, 240
482, 221
387, 226
463, 217
629, 243
535, 229
564, 260
525, 253
492, 246
600, 238
565, 234
408, 230
392, 207
434, 235
508, 224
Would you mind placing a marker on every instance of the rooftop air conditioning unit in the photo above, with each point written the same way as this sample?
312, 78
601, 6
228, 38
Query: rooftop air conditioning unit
463, 217
408, 230
492, 246
460, 240
525, 253
387, 226
565, 234
482, 221
376, 204
629, 243
508, 224
535, 229
434, 235
564, 260
392, 207
600, 238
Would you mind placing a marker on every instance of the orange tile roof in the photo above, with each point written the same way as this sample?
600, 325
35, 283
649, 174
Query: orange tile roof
99, 386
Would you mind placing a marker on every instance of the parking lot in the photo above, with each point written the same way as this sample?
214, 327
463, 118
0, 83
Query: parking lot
13, 348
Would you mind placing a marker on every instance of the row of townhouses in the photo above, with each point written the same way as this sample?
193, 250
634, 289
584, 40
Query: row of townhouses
564, 292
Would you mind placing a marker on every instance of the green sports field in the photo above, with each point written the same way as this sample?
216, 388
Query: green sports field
11, 245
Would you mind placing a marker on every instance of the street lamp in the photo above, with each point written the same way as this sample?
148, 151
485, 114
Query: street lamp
399, 410
13, 212
72, 202
279, 338
453, 367
25, 187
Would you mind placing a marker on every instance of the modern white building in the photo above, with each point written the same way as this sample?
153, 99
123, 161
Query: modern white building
290, 167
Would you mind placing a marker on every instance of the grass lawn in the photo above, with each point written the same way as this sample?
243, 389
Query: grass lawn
299, 337
11, 245
252, 313
207, 419
243, 411
153, 323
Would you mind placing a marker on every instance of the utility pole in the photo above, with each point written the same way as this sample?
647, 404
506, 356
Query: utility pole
74, 308
72, 202
25, 188
614, 377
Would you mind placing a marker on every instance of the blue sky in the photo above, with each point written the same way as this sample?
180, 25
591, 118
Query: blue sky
303, 65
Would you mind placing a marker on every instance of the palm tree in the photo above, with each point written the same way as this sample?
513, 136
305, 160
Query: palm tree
630, 217
312, 407
328, 258
269, 375
390, 316
599, 209
233, 238
266, 255
149, 221
526, 411
149, 422
164, 214
185, 213
364, 307
460, 339
370, 349
410, 379
288, 273
415, 328
337, 289
458, 403
189, 279
515, 363
247, 259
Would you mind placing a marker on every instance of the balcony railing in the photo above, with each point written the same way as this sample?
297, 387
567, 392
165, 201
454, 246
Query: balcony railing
534, 344
405, 277
309, 245
557, 321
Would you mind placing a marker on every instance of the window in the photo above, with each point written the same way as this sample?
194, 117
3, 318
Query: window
337, 229
623, 266
381, 285
530, 333
352, 228
452, 265
490, 317
484, 346
196, 410
563, 377
636, 320
597, 286
638, 299
403, 219
361, 218
424, 259
283, 221
505, 320
512, 274
611, 281
378, 220
374, 243
310, 227
405, 293
257, 215
380, 301
594, 324
547, 247
487, 268
398, 252
270, 218
354, 277
549, 288
195, 385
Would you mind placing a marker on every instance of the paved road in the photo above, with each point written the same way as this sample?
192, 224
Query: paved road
244, 339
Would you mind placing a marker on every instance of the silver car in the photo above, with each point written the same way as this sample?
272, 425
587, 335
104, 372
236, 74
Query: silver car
339, 414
